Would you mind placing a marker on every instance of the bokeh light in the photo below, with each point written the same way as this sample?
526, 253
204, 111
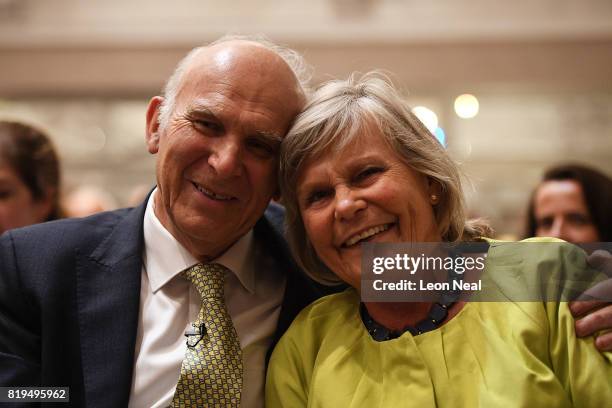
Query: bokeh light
466, 106
427, 116
441, 136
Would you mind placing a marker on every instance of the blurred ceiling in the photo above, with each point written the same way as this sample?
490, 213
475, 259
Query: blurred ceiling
128, 48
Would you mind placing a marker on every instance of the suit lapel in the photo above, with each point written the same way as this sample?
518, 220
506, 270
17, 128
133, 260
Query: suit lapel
300, 290
108, 293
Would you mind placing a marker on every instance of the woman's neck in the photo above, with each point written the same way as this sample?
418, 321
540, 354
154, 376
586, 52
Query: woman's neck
396, 316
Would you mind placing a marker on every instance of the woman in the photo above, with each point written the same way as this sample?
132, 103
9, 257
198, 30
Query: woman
29, 177
572, 203
357, 166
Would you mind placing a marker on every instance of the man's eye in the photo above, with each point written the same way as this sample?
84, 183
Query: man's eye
261, 148
206, 125
5, 194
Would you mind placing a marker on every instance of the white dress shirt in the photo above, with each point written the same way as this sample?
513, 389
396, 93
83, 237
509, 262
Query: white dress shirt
169, 304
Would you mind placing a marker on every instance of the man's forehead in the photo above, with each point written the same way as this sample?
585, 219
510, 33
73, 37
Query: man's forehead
228, 52
236, 55
215, 109
243, 75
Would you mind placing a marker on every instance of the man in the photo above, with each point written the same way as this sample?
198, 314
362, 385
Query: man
102, 304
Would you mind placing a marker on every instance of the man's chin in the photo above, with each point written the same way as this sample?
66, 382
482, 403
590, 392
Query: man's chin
206, 233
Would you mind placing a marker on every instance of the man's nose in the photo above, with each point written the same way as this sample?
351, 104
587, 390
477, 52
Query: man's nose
226, 159
348, 205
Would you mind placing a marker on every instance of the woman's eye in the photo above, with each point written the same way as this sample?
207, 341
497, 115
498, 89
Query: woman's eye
317, 196
578, 219
370, 171
545, 222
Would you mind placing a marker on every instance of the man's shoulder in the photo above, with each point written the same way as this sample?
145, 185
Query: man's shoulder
269, 232
55, 237
275, 215
74, 228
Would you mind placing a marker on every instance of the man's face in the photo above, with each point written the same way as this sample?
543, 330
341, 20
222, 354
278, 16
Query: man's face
217, 155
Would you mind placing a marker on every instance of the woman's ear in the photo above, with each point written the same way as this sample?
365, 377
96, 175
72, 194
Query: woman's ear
435, 191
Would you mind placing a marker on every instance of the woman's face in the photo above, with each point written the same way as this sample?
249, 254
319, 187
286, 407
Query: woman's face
363, 193
560, 211
17, 206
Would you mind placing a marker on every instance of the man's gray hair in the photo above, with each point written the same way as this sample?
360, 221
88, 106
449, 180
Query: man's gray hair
338, 113
292, 58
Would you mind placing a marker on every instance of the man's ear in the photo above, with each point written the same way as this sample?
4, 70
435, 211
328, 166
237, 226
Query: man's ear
152, 130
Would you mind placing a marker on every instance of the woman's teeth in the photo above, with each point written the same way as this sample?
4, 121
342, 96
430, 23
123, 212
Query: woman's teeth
366, 234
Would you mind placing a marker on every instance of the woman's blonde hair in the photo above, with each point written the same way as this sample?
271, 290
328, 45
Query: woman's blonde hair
336, 114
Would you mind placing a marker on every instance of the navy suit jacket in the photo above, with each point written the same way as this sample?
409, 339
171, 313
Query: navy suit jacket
69, 301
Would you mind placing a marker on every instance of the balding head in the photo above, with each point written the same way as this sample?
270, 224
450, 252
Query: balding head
224, 46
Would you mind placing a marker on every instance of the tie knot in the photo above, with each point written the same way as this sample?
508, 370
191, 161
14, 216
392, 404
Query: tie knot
208, 279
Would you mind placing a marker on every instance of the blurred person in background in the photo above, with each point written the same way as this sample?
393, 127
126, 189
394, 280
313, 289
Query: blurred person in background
29, 176
88, 200
137, 194
573, 203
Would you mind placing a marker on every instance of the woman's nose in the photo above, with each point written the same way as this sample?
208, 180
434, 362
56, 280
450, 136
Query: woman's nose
348, 205
558, 229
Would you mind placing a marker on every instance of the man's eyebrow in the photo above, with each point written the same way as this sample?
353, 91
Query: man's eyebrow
200, 110
269, 137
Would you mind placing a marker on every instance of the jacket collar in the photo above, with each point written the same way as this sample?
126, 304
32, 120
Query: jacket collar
108, 297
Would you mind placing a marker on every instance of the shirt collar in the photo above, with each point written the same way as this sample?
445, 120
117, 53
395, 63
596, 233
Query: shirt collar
164, 257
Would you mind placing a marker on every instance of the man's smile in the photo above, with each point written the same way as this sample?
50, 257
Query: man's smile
211, 194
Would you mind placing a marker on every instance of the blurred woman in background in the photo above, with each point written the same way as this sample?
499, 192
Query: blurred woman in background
29, 177
573, 203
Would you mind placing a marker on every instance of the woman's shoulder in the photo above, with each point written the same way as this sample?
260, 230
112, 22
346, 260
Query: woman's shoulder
531, 252
330, 306
324, 314
539, 269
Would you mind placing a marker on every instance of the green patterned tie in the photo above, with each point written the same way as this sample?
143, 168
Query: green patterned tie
211, 373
